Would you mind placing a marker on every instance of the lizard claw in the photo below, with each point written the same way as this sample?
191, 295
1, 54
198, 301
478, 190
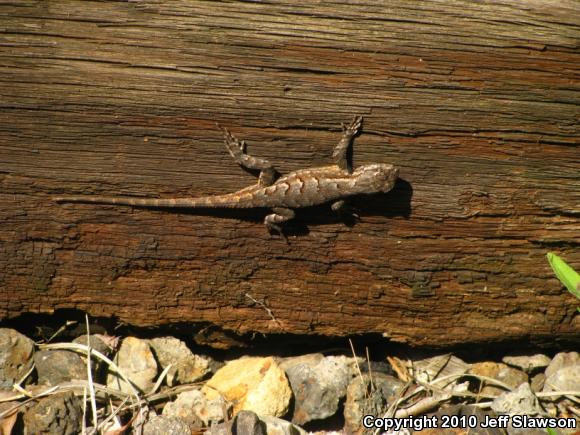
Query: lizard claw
232, 141
273, 228
345, 210
285, 238
355, 126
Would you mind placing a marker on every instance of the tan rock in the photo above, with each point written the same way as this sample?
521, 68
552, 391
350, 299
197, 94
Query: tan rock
185, 366
253, 384
137, 363
503, 373
16, 353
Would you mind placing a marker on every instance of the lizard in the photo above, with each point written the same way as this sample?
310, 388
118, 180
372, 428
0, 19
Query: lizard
281, 194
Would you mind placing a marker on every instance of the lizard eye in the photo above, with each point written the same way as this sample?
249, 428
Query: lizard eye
386, 177
377, 177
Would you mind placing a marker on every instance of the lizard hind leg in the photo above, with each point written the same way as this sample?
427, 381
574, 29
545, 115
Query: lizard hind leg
274, 220
341, 151
237, 149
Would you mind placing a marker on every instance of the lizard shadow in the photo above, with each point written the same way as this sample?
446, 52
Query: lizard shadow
396, 202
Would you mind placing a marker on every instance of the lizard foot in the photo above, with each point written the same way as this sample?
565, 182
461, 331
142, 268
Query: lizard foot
237, 149
279, 216
355, 126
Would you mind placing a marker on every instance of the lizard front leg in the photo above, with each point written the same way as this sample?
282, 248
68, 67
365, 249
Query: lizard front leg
340, 153
279, 216
237, 149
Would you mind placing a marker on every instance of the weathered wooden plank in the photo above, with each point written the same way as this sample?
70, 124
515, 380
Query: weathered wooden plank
477, 103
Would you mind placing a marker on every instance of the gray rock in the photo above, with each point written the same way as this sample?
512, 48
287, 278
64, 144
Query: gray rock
97, 365
310, 359
54, 414
563, 374
161, 425
565, 379
466, 411
561, 360
193, 408
501, 372
528, 364
245, 422
96, 343
215, 365
362, 399
377, 367
537, 382
318, 387
219, 429
277, 426
56, 366
519, 401
525, 431
185, 366
429, 369
16, 353
511, 430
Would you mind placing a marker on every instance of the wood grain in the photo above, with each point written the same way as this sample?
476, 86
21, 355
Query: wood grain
477, 103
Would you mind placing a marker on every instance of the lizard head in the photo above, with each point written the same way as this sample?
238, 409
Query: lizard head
375, 178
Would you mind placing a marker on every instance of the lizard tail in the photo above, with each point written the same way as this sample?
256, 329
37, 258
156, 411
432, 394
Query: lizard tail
222, 201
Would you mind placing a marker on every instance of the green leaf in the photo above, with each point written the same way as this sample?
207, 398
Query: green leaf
568, 276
